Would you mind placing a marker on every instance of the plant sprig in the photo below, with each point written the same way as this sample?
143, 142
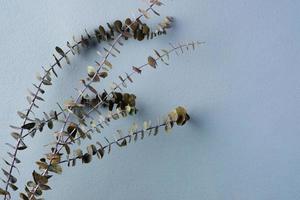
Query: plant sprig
87, 86
179, 116
36, 124
53, 164
151, 62
82, 115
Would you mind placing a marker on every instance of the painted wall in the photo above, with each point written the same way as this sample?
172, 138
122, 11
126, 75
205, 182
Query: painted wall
242, 89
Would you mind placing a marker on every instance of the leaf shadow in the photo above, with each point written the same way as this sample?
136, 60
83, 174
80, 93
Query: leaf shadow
200, 121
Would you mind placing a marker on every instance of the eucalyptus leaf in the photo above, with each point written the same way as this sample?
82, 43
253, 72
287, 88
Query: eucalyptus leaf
79, 153
152, 62
103, 74
145, 13
56, 168
137, 70
123, 143
15, 135
118, 26
39, 98
86, 158
63, 54
39, 179
60, 51
22, 147
28, 126
91, 149
23, 196
3, 192
100, 153
107, 63
22, 115
91, 71
46, 82
13, 186
50, 124
45, 187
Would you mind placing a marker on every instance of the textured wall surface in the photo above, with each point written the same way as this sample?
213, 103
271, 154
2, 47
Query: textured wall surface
242, 89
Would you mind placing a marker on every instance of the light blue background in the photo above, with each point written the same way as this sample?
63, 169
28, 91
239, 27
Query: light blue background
242, 89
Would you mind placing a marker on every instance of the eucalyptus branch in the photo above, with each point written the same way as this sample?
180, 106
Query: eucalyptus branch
35, 124
82, 115
87, 86
151, 62
118, 142
178, 116
55, 155
45, 80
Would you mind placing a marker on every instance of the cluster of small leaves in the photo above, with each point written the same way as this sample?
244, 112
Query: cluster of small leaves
123, 104
40, 182
118, 100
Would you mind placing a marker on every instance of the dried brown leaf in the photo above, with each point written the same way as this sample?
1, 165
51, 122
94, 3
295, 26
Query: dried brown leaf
152, 62
137, 70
